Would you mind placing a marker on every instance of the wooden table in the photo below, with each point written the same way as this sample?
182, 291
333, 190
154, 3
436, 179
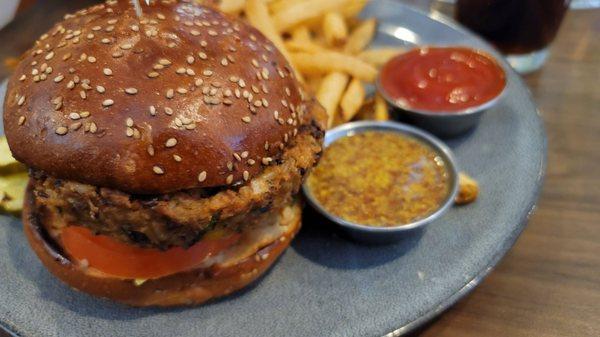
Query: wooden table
549, 283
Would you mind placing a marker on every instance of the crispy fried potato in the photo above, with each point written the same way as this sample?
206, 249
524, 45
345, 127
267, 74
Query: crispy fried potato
303, 11
8, 164
381, 109
301, 34
379, 56
326, 62
12, 192
353, 99
353, 8
258, 15
335, 29
361, 36
303, 47
330, 93
468, 189
232, 6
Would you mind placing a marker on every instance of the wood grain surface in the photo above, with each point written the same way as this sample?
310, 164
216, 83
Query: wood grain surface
549, 283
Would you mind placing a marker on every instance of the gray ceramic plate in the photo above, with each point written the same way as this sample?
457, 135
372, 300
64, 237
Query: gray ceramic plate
324, 285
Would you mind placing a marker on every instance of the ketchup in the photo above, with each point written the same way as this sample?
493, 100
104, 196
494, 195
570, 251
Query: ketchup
439, 79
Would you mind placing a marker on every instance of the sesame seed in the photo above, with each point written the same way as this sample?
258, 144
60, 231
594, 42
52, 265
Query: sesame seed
190, 72
202, 176
246, 175
153, 74
212, 33
158, 67
237, 157
194, 32
229, 179
182, 91
202, 55
164, 62
117, 54
129, 132
91, 59
152, 110
49, 56
230, 166
266, 160
246, 119
21, 100
190, 59
82, 94
207, 72
108, 102
177, 158
74, 116
158, 170
131, 91
126, 46
265, 73
180, 70
251, 162
136, 134
84, 114
107, 71
198, 82
224, 62
22, 78
100, 89
255, 63
129, 122
61, 130
93, 127
171, 142
21, 120
170, 93
168, 111
150, 150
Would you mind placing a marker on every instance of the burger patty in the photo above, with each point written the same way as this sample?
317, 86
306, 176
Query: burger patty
181, 218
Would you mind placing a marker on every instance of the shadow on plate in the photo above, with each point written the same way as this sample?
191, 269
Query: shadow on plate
321, 241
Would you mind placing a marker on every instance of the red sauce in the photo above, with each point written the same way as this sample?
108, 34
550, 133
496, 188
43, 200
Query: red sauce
442, 79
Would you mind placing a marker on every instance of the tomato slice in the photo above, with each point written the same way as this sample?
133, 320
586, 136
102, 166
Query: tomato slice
119, 259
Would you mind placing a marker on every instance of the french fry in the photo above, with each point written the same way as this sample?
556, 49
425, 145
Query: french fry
301, 34
360, 37
330, 93
381, 109
300, 12
279, 5
304, 46
380, 56
257, 13
326, 62
353, 99
353, 8
468, 189
335, 29
232, 6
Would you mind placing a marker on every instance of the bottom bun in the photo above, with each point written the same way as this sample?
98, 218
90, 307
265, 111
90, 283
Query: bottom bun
185, 288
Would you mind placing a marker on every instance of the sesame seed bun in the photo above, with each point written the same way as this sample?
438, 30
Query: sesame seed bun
186, 288
183, 98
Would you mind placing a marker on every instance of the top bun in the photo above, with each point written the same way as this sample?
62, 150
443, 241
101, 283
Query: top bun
183, 97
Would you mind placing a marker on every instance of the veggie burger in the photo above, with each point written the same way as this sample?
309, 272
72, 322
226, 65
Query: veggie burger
165, 151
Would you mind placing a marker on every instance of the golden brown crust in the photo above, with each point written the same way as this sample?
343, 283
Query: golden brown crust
224, 99
188, 288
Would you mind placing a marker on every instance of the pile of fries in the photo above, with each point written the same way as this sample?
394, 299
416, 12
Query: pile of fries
328, 46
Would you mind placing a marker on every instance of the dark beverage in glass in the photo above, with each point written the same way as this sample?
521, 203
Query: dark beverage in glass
522, 29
